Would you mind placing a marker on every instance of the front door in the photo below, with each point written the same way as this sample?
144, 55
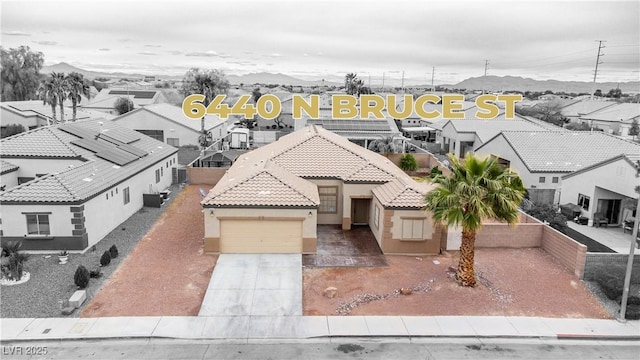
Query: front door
360, 211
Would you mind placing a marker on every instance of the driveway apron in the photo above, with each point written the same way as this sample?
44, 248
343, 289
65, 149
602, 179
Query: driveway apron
255, 285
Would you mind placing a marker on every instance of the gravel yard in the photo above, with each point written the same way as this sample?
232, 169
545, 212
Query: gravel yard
51, 282
511, 282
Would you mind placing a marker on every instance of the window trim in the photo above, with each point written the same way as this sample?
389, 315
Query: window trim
335, 210
581, 201
126, 195
376, 216
38, 224
413, 220
542, 179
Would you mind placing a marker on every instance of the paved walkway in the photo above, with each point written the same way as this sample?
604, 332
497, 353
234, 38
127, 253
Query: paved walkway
254, 285
612, 237
316, 328
354, 248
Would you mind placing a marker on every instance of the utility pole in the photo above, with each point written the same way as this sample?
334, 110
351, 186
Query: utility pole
382, 82
484, 79
595, 73
402, 86
433, 72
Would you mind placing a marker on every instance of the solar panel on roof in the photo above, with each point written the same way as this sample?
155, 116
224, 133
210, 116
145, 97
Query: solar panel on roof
77, 131
127, 137
116, 158
135, 93
110, 139
133, 150
92, 145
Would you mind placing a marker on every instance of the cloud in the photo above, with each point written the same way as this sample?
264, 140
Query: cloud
149, 53
15, 33
124, 40
153, 46
275, 55
104, 49
208, 53
175, 52
46, 43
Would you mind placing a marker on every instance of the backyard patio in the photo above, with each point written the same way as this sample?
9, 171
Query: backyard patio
612, 237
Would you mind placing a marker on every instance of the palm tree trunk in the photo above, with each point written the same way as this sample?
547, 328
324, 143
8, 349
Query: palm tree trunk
74, 104
53, 112
465, 274
61, 113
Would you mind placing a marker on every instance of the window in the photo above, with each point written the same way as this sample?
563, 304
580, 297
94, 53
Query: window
175, 142
22, 180
156, 134
412, 229
583, 201
161, 171
157, 176
125, 195
541, 179
328, 199
38, 224
376, 216
554, 179
107, 196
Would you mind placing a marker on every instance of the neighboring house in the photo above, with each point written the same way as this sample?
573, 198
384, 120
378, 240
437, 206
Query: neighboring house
272, 199
462, 136
574, 110
106, 99
615, 119
8, 175
34, 113
76, 182
167, 123
602, 187
543, 157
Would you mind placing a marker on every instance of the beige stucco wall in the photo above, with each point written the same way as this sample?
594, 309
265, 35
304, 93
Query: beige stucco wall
326, 219
103, 215
350, 191
14, 222
377, 230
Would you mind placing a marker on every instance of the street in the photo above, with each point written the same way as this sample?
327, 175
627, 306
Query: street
426, 348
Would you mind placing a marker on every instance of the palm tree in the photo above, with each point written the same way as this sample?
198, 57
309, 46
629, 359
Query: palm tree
48, 94
476, 190
60, 87
352, 84
76, 86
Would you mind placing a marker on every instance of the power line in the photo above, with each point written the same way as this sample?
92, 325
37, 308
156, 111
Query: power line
595, 73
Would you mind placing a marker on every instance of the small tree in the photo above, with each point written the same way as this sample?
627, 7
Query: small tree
547, 213
81, 277
408, 162
123, 105
435, 171
11, 130
113, 251
105, 259
634, 130
13, 260
384, 145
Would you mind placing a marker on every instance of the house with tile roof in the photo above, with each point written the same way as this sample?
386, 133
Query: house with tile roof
273, 198
167, 123
615, 119
574, 110
69, 185
106, 99
542, 158
603, 188
34, 113
460, 136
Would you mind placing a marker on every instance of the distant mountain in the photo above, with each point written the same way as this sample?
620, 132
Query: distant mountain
504, 83
269, 78
67, 68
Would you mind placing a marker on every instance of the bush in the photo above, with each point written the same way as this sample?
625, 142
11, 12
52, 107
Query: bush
105, 259
113, 251
408, 162
632, 312
547, 213
435, 171
81, 277
96, 273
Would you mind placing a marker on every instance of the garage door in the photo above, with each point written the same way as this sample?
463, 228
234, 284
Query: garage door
260, 236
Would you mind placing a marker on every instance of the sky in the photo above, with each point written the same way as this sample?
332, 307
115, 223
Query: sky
327, 39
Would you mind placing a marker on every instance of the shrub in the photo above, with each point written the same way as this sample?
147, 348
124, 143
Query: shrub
113, 251
632, 312
96, 273
81, 277
610, 285
105, 259
408, 162
547, 213
435, 171
13, 260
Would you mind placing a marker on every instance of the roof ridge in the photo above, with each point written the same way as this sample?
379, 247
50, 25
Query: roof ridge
63, 142
65, 186
287, 185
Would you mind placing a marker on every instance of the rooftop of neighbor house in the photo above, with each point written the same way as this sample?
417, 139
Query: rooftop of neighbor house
617, 112
358, 128
174, 113
632, 159
107, 97
563, 151
312, 152
486, 129
7, 167
35, 108
584, 107
108, 153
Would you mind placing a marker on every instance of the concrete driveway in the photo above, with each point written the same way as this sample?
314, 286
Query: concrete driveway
255, 285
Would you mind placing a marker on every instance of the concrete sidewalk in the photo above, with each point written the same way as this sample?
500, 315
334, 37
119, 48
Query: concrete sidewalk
314, 328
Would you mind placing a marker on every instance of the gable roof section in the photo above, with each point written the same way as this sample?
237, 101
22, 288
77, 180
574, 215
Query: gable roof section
42, 142
401, 193
7, 167
106, 98
632, 159
618, 112
37, 108
174, 114
89, 179
585, 107
268, 185
564, 151
486, 129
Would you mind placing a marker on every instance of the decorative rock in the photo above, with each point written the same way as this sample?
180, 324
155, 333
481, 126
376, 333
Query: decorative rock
68, 310
78, 298
330, 292
406, 291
